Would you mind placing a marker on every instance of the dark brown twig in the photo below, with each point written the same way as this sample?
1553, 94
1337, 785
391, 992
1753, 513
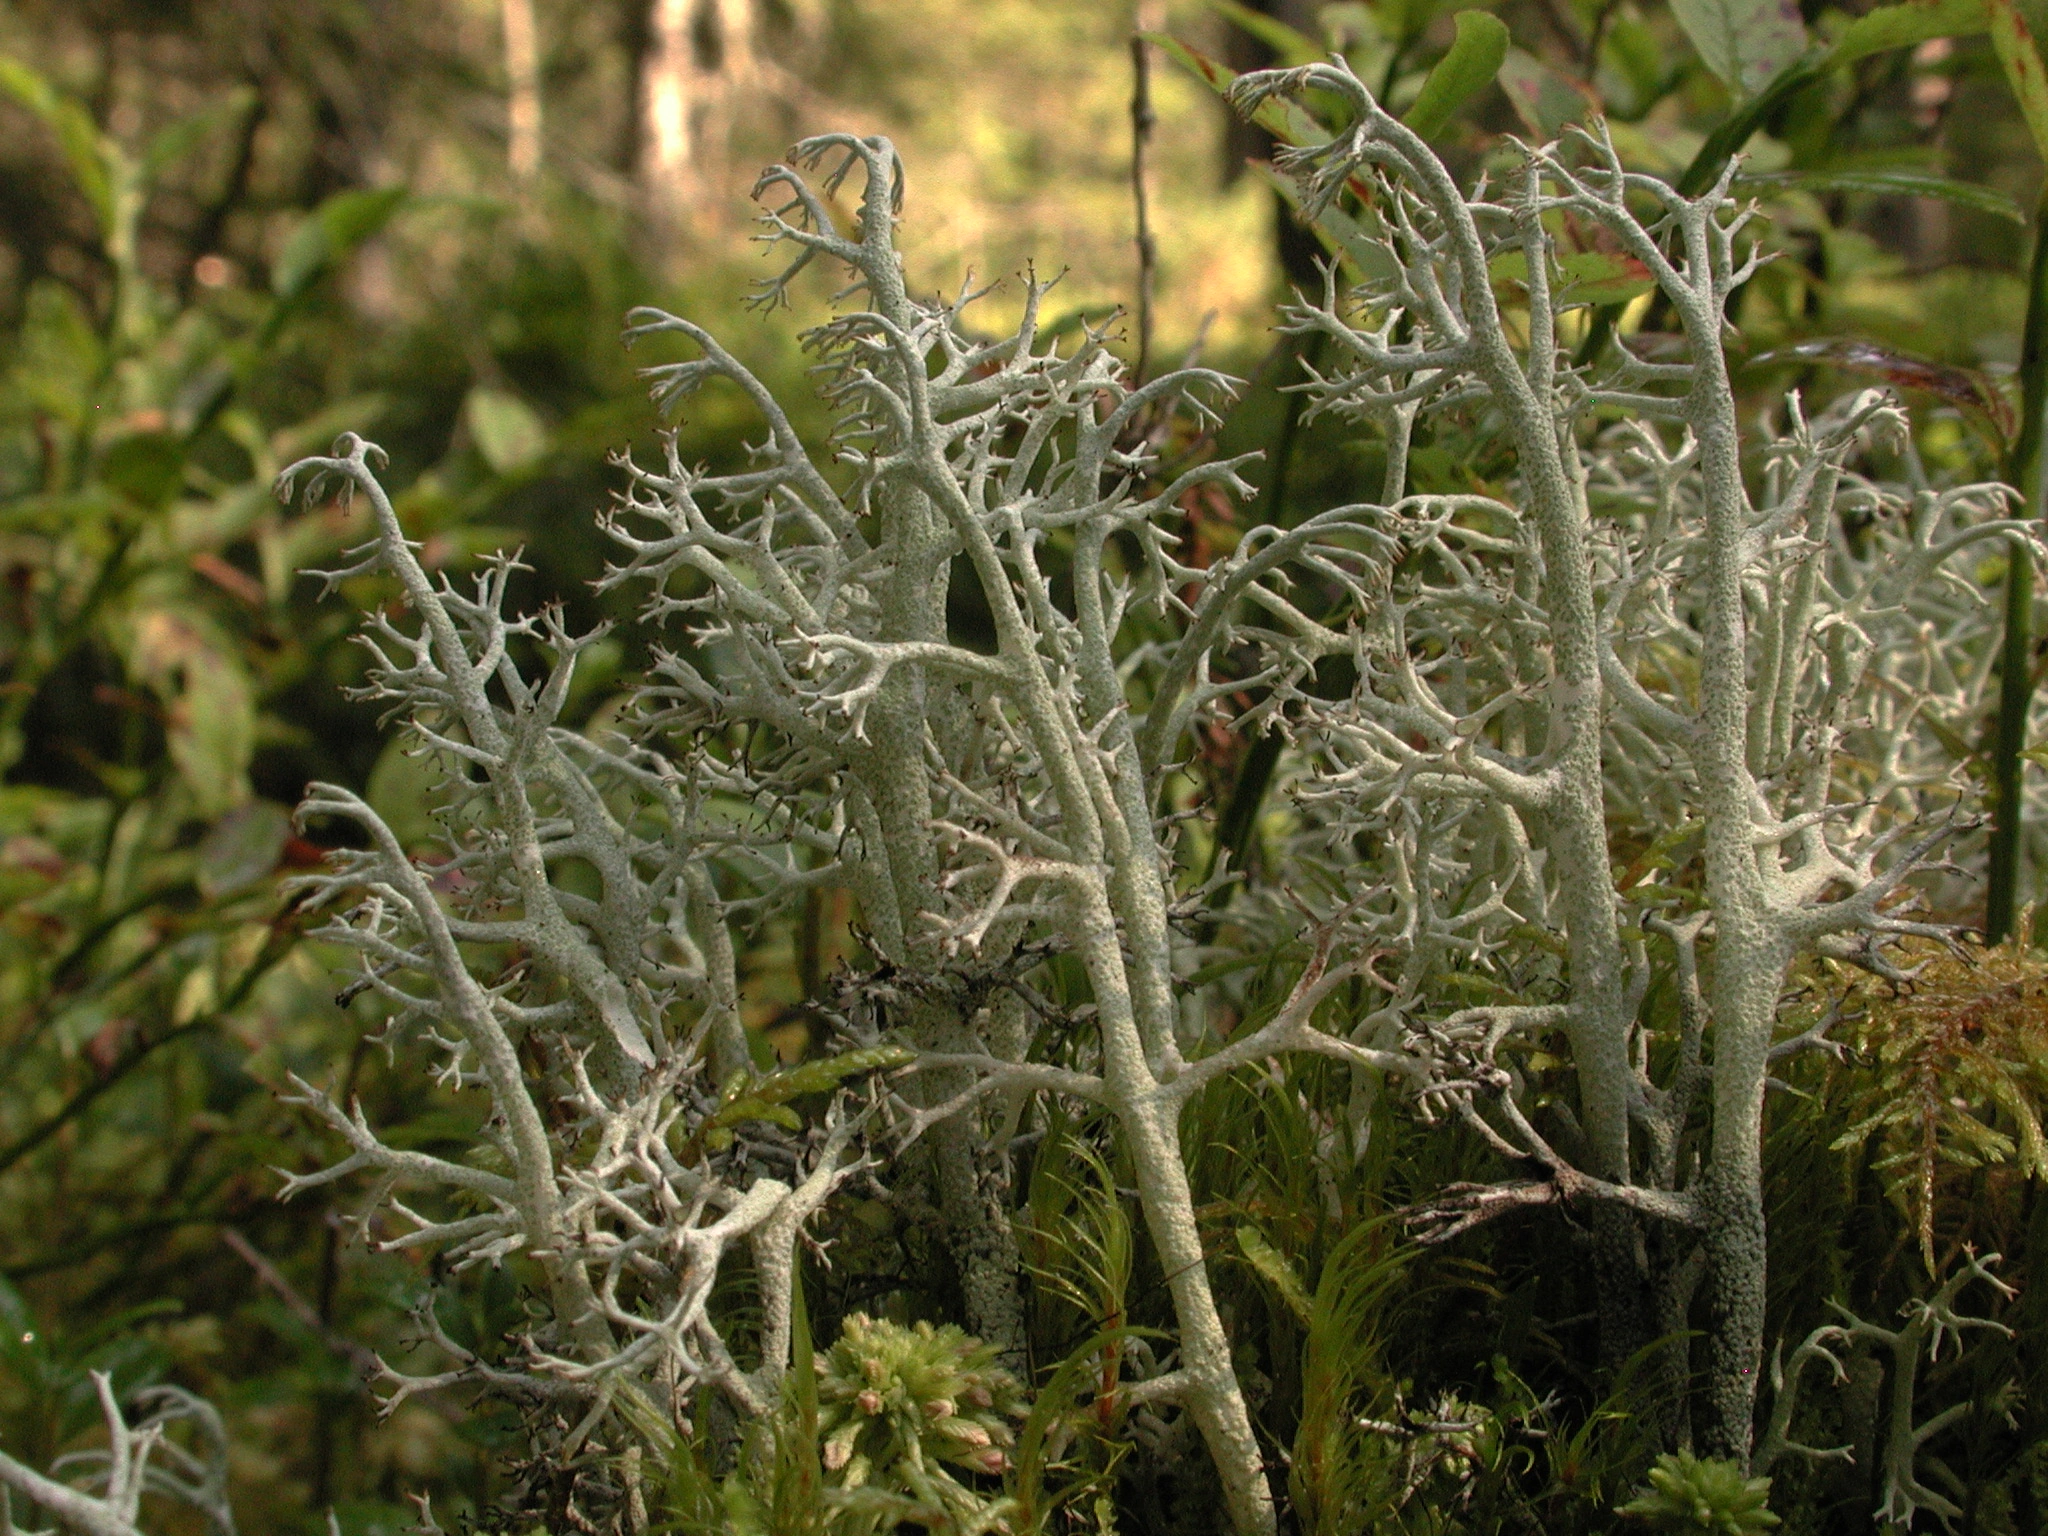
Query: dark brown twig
1143, 120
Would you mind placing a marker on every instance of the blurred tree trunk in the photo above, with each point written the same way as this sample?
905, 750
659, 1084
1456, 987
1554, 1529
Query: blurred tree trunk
1296, 246
701, 60
635, 40
522, 87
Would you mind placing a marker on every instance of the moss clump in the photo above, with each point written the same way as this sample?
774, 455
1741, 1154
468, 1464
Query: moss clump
900, 1410
1688, 1494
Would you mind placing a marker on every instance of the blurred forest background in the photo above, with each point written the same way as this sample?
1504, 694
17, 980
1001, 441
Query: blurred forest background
230, 228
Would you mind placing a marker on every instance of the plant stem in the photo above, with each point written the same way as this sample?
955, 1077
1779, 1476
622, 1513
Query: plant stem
2015, 694
2015, 683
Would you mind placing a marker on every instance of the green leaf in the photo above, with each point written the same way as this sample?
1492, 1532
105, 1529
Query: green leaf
1970, 390
1350, 25
1406, 20
1475, 57
1287, 121
2030, 1145
802, 1347
1076, 1375
242, 848
92, 160
507, 432
188, 133
350, 218
146, 467
1290, 47
212, 732
718, 1133
764, 1097
1965, 194
1581, 277
402, 789
828, 1072
1544, 99
1344, 236
1601, 277
1736, 130
329, 234
1907, 26
2014, 40
1747, 43
1687, 1493
303, 259
210, 713
1271, 1263
201, 398
1638, 54
58, 355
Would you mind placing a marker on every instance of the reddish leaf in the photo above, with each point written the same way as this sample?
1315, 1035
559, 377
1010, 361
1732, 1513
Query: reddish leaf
1969, 390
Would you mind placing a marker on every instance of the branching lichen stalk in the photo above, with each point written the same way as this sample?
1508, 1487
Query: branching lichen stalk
1622, 644
1688, 669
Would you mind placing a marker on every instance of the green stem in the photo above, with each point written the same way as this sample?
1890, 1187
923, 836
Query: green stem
2015, 694
2015, 680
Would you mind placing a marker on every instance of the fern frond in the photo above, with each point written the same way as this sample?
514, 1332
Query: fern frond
1951, 1073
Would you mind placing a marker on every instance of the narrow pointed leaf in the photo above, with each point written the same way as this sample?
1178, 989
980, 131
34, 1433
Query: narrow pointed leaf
2017, 52
1290, 47
330, 234
1726, 141
1907, 26
188, 133
1974, 393
1285, 120
1964, 194
1343, 236
1475, 57
1273, 1265
507, 432
87, 154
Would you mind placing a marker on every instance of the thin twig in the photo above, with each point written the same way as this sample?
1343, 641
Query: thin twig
1143, 121
273, 1279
